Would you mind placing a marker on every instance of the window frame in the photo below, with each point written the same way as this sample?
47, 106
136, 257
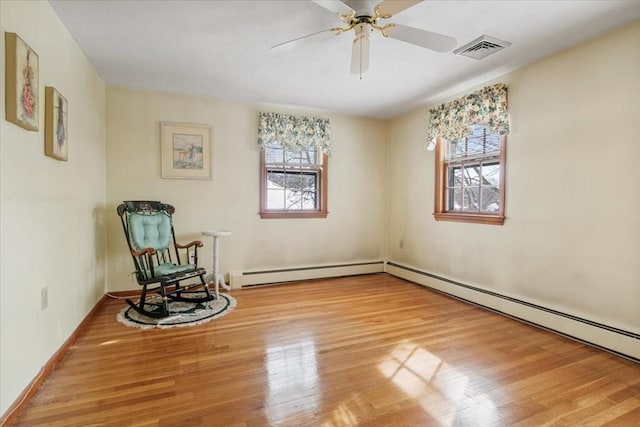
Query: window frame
440, 211
322, 193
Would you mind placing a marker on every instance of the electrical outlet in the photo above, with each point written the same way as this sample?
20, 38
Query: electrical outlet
44, 298
401, 244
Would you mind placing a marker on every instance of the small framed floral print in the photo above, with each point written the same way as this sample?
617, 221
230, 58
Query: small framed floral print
22, 101
56, 128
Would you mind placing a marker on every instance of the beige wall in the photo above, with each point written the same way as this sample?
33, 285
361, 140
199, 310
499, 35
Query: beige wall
571, 241
353, 231
52, 212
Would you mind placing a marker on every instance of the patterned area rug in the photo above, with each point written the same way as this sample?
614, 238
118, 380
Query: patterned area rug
182, 313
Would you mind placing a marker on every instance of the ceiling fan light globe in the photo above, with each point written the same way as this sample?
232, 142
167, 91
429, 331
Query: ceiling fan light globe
360, 50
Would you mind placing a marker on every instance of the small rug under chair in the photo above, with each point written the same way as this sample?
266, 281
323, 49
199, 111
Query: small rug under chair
182, 313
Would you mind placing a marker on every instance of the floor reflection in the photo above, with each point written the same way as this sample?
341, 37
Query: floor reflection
292, 373
346, 414
439, 388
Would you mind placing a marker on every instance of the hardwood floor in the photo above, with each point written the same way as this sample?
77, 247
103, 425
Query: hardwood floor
367, 350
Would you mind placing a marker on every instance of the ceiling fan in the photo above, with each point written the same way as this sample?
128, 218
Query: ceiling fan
363, 23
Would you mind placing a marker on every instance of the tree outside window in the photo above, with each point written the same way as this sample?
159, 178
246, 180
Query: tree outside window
294, 182
470, 178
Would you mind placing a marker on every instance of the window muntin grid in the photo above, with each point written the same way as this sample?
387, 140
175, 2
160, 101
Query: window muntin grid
292, 179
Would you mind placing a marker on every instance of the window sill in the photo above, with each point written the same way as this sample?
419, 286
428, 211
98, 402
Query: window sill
467, 217
289, 214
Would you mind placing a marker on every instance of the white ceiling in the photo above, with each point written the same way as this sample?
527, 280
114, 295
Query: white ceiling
221, 48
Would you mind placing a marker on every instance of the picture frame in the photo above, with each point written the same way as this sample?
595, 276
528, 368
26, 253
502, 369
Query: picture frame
22, 102
186, 151
56, 125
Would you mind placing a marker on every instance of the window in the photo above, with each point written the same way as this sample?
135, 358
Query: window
470, 136
294, 161
470, 178
294, 183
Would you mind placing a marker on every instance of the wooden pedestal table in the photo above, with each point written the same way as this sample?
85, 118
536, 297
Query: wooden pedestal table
217, 278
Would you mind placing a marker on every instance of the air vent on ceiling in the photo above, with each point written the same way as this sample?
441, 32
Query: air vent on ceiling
481, 47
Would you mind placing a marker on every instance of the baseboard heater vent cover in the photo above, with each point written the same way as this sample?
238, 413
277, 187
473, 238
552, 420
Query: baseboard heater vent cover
266, 277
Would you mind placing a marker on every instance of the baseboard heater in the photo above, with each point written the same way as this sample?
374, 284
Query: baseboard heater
615, 340
265, 277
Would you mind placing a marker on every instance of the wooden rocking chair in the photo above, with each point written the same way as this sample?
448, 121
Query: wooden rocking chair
148, 228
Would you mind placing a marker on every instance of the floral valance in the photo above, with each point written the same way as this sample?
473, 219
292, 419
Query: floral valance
294, 132
454, 120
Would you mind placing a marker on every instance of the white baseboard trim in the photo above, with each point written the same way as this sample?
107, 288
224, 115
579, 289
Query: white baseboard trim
621, 342
252, 278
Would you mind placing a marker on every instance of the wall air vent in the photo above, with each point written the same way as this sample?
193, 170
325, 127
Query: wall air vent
481, 47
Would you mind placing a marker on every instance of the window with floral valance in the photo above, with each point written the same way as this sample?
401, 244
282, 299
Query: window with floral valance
470, 136
294, 164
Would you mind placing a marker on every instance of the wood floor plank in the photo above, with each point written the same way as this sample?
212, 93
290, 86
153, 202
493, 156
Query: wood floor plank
369, 350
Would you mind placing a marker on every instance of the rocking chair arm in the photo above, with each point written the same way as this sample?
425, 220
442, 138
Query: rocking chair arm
197, 243
149, 251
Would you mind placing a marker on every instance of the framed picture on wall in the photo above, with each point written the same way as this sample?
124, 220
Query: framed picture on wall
21, 90
185, 151
56, 128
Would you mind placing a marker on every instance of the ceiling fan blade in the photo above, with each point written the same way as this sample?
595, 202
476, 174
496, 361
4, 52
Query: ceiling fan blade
427, 39
290, 44
388, 8
360, 50
335, 6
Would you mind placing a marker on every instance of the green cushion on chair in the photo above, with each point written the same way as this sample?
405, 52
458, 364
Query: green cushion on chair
150, 231
168, 269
